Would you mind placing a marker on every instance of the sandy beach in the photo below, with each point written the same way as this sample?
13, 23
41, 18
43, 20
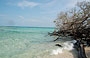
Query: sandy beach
66, 54
72, 54
87, 50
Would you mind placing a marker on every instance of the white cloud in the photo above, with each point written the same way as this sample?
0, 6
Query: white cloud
25, 3
21, 17
49, 4
72, 3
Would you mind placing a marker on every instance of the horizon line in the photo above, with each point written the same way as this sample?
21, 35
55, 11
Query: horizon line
30, 26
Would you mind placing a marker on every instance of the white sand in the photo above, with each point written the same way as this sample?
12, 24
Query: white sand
66, 54
87, 49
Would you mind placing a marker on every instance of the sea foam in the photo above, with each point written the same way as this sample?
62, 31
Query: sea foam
57, 51
68, 45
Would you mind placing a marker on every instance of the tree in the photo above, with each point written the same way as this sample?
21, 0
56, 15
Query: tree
75, 23
76, 18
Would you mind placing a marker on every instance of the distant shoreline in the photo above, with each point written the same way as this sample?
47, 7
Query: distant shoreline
27, 26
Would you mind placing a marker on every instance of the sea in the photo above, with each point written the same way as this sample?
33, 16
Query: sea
28, 42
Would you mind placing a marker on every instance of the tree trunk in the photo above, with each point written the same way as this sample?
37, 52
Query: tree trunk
81, 50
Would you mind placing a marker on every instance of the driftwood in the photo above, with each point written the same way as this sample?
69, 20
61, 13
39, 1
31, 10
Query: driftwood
58, 45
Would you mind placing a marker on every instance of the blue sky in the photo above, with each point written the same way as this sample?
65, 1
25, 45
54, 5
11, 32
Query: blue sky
36, 13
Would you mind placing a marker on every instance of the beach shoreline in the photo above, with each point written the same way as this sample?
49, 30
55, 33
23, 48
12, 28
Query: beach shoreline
66, 54
71, 54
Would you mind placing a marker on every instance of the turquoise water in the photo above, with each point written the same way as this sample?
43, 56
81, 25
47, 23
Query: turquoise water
26, 42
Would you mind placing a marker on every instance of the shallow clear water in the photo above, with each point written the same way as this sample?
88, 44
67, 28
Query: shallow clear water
26, 42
